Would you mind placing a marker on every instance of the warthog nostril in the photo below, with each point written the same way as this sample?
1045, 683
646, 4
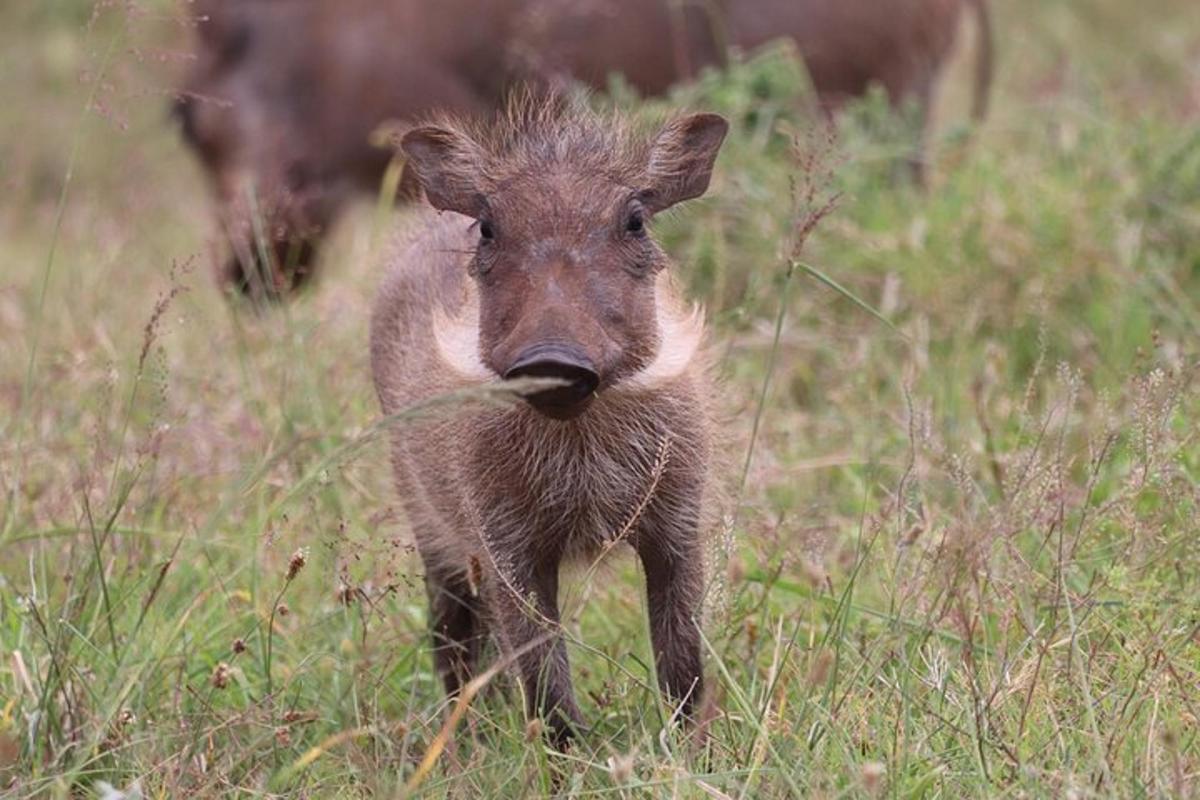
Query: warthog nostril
566, 364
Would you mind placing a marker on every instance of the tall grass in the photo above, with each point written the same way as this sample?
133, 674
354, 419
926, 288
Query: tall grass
965, 558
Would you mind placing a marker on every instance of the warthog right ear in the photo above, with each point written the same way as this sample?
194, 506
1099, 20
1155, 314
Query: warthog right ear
682, 158
446, 165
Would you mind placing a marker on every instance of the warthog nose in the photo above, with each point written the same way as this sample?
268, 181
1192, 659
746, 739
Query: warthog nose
563, 363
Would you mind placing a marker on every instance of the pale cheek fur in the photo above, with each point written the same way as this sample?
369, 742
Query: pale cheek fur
457, 339
680, 329
680, 335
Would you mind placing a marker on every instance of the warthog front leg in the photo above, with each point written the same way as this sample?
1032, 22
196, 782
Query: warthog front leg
526, 609
674, 587
457, 625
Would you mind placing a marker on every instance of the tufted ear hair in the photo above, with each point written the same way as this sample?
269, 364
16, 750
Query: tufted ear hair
682, 158
446, 165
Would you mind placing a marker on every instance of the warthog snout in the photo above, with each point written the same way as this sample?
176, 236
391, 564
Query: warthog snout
564, 363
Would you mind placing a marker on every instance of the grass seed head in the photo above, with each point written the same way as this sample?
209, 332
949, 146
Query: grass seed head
220, 676
297, 562
818, 672
283, 737
621, 768
872, 774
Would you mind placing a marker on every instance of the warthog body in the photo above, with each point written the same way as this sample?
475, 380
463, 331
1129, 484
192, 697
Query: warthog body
847, 45
542, 266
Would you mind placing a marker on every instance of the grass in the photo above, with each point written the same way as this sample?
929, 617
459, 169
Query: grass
965, 559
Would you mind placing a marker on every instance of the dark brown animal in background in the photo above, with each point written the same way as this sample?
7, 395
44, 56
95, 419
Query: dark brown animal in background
543, 266
847, 45
850, 45
281, 100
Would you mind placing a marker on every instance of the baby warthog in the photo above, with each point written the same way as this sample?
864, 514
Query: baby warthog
542, 266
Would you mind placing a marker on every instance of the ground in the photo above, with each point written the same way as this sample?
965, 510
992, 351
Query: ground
963, 554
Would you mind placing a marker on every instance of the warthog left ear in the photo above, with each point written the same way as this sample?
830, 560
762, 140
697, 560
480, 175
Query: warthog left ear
446, 164
681, 159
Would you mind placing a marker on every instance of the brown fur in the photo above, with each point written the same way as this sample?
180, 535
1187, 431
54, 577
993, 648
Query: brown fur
499, 496
282, 96
847, 45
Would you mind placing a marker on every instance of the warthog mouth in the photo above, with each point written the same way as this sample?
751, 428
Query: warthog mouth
574, 371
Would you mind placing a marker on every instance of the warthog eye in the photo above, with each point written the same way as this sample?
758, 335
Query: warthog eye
636, 224
487, 233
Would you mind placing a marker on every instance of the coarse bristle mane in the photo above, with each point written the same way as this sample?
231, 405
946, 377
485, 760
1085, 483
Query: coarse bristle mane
537, 132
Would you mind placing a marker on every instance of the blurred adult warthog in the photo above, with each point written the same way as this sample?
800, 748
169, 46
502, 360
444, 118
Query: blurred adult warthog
847, 45
282, 97
543, 266
281, 100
